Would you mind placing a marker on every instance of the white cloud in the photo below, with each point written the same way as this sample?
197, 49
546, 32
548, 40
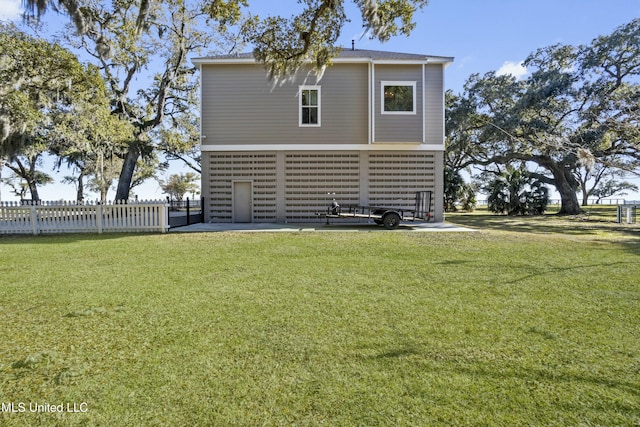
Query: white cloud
10, 10
463, 62
516, 69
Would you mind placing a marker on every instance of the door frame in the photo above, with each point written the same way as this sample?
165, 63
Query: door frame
233, 199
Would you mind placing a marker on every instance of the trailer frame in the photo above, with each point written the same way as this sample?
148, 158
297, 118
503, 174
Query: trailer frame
389, 217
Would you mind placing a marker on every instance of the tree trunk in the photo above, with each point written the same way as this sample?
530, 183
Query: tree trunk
2, 161
585, 198
126, 174
80, 192
29, 177
33, 189
583, 188
569, 204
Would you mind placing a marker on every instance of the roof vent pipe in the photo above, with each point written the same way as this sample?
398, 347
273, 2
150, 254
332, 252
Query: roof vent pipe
353, 45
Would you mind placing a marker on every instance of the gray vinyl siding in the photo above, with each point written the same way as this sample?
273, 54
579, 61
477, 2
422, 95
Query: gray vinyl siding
434, 104
240, 106
392, 127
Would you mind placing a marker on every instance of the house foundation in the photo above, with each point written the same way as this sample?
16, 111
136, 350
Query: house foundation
293, 186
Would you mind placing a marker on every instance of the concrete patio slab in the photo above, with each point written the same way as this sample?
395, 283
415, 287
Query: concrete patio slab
317, 227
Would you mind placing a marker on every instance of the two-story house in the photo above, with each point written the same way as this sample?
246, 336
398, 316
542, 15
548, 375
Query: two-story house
369, 131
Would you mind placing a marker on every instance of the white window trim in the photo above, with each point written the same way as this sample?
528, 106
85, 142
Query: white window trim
384, 83
309, 125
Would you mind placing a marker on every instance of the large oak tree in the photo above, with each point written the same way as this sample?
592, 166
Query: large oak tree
40, 82
578, 105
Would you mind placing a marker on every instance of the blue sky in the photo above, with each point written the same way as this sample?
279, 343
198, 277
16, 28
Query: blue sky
482, 36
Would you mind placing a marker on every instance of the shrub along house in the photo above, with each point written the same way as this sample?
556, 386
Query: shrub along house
370, 131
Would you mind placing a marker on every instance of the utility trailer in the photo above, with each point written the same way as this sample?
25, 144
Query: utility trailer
387, 216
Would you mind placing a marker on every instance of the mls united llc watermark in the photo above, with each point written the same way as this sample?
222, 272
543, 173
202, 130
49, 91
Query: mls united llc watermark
39, 407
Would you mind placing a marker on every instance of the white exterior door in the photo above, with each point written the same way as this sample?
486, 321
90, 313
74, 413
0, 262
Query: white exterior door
242, 201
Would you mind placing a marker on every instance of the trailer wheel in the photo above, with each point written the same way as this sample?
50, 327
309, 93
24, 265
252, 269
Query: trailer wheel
391, 220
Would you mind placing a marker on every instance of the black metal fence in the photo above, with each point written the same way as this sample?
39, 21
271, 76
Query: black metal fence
185, 212
592, 202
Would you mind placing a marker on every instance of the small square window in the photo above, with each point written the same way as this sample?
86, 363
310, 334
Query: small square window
309, 106
398, 97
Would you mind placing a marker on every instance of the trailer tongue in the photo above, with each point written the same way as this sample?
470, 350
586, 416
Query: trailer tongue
388, 216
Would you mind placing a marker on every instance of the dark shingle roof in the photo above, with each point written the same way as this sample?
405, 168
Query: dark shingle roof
354, 54
379, 54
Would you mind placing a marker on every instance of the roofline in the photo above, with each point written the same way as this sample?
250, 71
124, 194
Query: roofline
445, 60
199, 61
427, 60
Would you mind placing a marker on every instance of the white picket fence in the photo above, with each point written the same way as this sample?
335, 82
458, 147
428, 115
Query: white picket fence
92, 217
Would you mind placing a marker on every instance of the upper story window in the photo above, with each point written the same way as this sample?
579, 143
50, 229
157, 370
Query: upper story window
309, 106
398, 97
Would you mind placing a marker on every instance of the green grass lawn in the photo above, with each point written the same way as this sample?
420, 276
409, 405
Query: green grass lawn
526, 322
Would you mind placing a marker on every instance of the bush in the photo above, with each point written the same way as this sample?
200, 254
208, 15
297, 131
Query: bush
517, 192
457, 192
